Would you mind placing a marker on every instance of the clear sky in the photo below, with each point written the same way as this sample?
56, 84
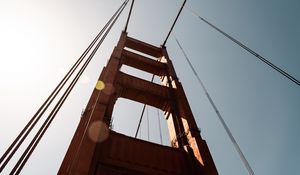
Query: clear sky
41, 39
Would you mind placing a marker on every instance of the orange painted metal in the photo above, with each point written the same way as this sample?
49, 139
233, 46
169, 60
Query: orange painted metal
134, 156
123, 155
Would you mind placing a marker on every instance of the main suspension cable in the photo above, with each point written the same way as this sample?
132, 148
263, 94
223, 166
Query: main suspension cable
21, 162
129, 15
284, 73
174, 23
85, 130
37, 116
237, 147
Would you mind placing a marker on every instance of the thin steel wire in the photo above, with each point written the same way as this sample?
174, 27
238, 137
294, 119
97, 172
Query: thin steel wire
159, 127
237, 147
174, 23
263, 59
129, 15
26, 154
142, 114
9, 153
148, 124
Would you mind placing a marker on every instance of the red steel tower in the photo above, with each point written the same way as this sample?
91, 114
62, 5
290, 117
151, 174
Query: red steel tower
95, 149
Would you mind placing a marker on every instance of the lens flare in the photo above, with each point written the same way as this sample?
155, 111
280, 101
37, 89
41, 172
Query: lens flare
100, 85
109, 89
98, 131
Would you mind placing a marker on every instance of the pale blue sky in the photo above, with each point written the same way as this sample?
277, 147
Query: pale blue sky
41, 39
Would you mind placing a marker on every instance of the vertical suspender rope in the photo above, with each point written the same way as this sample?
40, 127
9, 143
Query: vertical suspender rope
243, 158
140, 121
143, 110
282, 72
142, 114
148, 136
140, 133
159, 127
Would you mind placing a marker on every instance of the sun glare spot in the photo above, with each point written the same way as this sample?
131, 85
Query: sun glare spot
100, 85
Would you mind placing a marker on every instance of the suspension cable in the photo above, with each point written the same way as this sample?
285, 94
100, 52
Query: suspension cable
284, 73
84, 133
159, 126
129, 14
140, 121
148, 136
237, 147
50, 118
53, 113
37, 116
174, 23
142, 114
140, 133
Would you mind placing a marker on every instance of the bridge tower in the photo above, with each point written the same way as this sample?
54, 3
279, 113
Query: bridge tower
95, 149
